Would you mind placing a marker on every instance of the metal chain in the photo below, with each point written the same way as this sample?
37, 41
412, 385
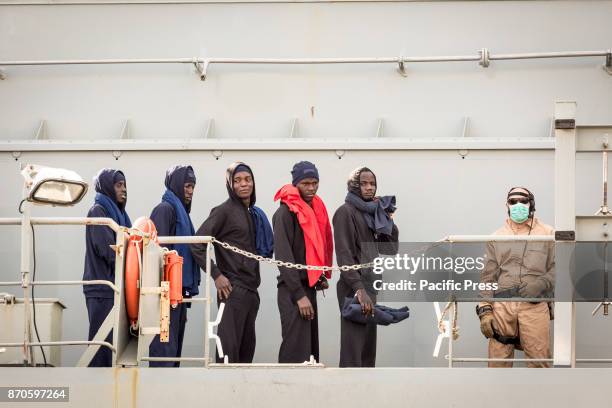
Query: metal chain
301, 266
290, 264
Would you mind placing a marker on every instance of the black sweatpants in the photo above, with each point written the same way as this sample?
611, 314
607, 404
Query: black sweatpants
97, 310
300, 336
237, 327
357, 341
174, 346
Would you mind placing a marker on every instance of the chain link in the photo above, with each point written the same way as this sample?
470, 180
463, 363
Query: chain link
293, 265
290, 265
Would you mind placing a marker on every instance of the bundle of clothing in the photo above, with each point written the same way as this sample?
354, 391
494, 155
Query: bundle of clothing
383, 315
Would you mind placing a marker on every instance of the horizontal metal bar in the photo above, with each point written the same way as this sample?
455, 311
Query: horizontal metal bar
198, 239
539, 55
109, 222
308, 61
266, 365
496, 238
194, 300
10, 221
500, 360
61, 343
499, 299
170, 2
10, 283
79, 283
346, 144
594, 360
197, 359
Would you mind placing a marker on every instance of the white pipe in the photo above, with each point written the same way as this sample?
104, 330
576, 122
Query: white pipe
197, 239
109, 222
307, 61
62, 343
83, 282
199, 359
267, 365
496, 238
169, 2
502, 360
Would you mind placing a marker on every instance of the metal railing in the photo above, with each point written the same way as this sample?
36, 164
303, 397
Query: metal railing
483, 57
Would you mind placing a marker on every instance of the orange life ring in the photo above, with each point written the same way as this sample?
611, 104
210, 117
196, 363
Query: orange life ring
133, 259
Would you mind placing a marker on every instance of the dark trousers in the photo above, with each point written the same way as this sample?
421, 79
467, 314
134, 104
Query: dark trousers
357, 341
174, 346
300, 336
97, 310
237, 327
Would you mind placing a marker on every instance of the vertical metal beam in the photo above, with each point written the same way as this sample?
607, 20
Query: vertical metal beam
564, 352
26, 255
209, 248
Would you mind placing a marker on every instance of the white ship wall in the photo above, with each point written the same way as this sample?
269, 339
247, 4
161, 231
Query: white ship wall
439, 192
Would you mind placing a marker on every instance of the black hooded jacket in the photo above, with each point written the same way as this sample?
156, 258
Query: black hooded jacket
231, 222
163, 215
99, 256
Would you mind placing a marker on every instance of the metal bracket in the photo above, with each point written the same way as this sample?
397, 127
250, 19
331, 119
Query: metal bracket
380, 128
212, 335
41, 132
16, 155
201, 68
466, 122
164, 312
607, 66
117, 154
125, 131
340, 154
565, 123
210, 128
294, 128
484, 58
565, 235
401, 67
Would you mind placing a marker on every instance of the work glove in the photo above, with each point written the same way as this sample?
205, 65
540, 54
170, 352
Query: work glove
533, 289
486, 324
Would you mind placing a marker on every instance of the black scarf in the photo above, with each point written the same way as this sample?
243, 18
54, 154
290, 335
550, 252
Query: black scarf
375, 213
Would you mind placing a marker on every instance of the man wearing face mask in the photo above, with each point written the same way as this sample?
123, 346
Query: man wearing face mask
363, 218
302, 234
171, 218
521, 269
111, 197
240, 223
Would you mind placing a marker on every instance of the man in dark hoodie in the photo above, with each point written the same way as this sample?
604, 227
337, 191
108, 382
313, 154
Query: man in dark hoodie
240, 223
111, 197
302, 234
363, 219
171, 218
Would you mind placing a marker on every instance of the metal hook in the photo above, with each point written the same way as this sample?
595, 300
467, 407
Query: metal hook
201, 68
484, 58
401, 67
608, 65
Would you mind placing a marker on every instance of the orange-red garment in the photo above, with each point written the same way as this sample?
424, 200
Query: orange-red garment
314, 221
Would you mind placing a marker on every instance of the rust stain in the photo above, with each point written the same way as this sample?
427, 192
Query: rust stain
134, 387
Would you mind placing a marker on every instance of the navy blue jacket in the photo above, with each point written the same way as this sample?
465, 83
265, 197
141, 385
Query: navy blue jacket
99, 256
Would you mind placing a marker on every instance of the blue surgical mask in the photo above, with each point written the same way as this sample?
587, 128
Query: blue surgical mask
519, 212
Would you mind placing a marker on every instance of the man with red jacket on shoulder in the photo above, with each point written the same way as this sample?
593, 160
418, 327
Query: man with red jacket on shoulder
302, 234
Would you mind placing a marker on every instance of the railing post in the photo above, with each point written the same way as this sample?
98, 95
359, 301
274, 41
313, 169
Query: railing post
209, 248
